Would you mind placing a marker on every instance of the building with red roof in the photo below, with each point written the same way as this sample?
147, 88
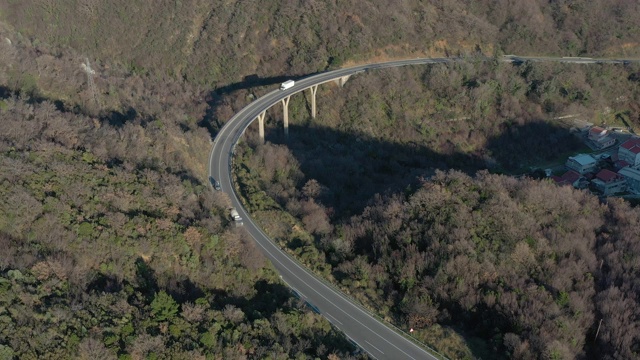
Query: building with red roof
609, 183
569, 178
596, 133
600, 138
629, 151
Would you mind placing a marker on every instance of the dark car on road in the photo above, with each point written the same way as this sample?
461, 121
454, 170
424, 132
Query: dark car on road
215, 183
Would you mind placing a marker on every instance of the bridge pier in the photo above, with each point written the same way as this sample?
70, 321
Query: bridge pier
285, 114
342, 80
261, 125
314, 90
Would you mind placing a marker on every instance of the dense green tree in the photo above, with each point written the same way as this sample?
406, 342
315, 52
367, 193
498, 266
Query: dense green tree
163, 307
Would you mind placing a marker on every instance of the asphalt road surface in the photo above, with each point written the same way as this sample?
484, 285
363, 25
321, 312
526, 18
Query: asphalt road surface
373, 336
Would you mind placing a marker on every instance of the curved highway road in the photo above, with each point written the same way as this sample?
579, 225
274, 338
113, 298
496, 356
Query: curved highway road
375, 337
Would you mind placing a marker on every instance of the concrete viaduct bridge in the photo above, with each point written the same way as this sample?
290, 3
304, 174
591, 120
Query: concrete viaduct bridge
341, 76
285, 104
378, 338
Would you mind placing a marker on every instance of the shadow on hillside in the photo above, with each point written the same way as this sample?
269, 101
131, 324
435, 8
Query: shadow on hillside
533, 143
268, 299
4, 92
118, 119
355, 167
182, 289
33, 98
111, 117
254, 80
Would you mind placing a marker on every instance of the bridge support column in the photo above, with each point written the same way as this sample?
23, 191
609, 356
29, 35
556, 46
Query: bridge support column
285, 114
341, 81
314, 90
261, 125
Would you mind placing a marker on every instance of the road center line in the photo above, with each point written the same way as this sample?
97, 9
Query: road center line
373, 346
334, 318
335, 293
231, 133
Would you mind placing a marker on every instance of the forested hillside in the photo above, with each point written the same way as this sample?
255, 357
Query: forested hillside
113, 243
220, 42
400, 124
527, 266
532, 268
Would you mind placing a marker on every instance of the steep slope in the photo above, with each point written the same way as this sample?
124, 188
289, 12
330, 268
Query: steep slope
113, 243
220, 42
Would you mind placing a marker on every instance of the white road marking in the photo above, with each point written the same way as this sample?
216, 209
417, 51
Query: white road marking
231, 135
335, 293
370, 344
334, 318
265, 102
234, 129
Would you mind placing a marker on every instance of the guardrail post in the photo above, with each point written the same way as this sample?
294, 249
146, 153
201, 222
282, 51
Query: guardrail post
261, 125
314, 90
285, 114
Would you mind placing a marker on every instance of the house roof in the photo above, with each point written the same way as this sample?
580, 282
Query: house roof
632, 145
568, 178
597, 130
583, 159
571, 176
606, 175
